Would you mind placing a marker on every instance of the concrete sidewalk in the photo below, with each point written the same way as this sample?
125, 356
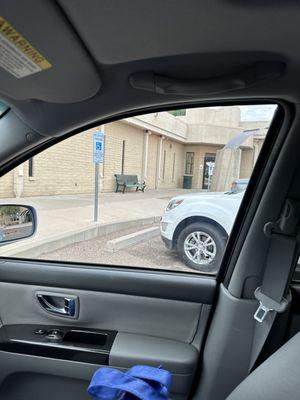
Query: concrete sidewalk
71, 216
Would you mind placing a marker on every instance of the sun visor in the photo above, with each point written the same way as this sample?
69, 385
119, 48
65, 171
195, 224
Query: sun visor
41, 56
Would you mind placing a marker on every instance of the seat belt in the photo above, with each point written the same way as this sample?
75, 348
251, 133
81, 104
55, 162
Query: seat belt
273, 295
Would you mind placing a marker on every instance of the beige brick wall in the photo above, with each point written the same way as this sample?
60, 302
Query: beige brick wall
115, 133
6, 185
66, 168
168, 178
135, 139
153, 148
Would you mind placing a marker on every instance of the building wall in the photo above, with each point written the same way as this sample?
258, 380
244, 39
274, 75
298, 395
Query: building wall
254, 124
223, 116
153, 148
200, 152
214, 135
171, 177
66, 168
164, 123
7, 185
115, 133
134, 157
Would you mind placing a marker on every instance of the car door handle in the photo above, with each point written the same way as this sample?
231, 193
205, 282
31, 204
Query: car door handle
61, 304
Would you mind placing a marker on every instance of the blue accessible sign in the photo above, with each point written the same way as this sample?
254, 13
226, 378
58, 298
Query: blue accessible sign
98, 147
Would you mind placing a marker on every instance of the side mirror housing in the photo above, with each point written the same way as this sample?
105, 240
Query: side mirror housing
16, 222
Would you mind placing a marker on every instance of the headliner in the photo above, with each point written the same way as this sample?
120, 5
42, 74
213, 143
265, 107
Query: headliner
95, 46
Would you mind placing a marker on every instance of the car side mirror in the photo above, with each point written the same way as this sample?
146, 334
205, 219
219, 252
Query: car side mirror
16, 222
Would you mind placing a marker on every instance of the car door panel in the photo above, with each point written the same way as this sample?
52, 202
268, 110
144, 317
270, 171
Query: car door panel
153, 322
99, 310
148, 283
70, 374
31, 383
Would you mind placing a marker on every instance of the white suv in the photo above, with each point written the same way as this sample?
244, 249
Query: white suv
197, 226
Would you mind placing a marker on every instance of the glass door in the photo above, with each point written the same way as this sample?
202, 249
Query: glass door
208, 170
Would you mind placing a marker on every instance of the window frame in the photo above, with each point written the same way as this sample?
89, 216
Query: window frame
190, 163
283, 116
31, 167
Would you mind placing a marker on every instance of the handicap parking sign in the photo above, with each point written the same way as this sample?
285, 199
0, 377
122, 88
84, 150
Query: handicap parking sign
98, 147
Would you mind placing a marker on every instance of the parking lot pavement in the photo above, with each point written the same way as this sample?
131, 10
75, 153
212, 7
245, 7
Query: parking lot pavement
66, 213
151, 253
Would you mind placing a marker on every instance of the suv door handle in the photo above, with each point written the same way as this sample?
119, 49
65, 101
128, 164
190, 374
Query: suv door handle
60, 304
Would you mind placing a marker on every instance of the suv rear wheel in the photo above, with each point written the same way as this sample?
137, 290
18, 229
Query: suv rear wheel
201, 245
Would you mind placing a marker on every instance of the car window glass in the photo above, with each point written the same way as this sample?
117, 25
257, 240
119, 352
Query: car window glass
167, 187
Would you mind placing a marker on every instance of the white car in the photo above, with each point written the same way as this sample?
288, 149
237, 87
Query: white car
197, 226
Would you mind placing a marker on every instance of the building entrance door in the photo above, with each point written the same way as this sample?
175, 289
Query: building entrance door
208, 170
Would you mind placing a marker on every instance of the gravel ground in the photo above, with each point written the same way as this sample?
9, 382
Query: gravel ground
150, 254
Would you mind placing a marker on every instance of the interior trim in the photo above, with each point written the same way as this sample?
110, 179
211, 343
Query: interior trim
23, 339
156, 284
251, 76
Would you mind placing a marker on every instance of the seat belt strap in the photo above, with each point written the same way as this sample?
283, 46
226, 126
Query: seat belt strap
277, 275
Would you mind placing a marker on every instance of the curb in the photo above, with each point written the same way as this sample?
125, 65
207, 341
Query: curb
35, 249
131, 239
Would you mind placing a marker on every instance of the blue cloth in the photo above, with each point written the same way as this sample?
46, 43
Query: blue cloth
139, 382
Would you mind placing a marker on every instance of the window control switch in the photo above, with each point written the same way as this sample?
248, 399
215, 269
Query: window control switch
40, 332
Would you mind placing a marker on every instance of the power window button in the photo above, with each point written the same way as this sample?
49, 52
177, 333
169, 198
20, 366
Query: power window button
40, 332
55, 335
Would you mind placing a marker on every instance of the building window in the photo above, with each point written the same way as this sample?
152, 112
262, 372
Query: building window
189, 163
123, 156
164, 165
30, 167
173, 168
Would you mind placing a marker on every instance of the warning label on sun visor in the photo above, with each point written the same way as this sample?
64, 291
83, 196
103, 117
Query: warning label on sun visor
17, 56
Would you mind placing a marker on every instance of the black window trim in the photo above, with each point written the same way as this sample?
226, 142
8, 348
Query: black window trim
31, 167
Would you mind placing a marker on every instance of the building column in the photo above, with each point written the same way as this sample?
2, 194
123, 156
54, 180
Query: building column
158, 174
146, 151
19, 180
227, 169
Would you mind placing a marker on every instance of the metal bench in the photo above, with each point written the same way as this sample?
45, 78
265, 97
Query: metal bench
128, 181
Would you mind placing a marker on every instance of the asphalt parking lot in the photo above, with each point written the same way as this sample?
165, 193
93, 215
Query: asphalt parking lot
150, 253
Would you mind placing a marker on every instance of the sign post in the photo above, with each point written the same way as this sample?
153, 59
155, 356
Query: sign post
98, 155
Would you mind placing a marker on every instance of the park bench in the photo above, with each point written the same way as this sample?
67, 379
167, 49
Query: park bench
128, 181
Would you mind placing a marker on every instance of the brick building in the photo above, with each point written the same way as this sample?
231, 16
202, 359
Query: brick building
159, 148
